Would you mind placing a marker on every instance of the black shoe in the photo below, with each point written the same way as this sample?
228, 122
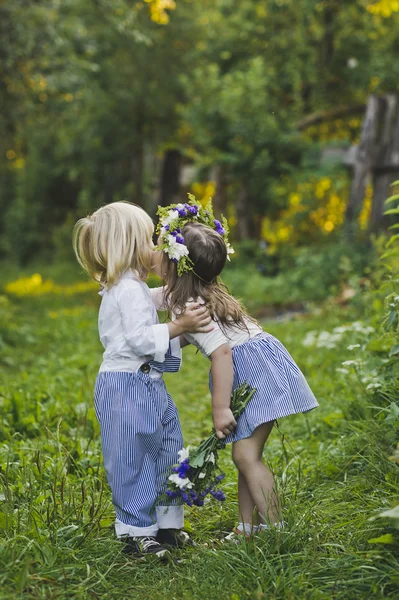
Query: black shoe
145, 546
174, 538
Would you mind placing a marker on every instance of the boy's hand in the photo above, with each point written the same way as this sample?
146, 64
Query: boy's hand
224, 422
195, 319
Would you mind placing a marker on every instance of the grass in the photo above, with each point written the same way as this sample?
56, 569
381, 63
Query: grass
56, 535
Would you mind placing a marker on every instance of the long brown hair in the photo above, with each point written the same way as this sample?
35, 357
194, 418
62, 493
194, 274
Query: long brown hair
208, 252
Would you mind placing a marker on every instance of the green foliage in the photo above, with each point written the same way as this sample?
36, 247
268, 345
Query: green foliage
336, 468
94, 92
305, 276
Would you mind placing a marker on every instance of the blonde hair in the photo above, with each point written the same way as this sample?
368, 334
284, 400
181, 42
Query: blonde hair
115, 238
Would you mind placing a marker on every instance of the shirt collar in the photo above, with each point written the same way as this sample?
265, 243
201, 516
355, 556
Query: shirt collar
130, 274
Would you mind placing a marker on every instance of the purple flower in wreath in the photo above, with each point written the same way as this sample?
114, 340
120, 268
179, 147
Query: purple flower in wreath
193, 210
175, 260
166, 227
219, 228
182, 212
174, 233
180, 239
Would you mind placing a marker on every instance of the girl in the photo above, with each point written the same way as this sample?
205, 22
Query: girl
239, 351
140, 429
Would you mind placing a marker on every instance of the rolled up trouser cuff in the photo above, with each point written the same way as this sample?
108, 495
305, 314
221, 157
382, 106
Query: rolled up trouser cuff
170, 517
123, 530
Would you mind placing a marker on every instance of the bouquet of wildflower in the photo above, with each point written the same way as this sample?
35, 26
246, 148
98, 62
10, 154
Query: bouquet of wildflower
197, 473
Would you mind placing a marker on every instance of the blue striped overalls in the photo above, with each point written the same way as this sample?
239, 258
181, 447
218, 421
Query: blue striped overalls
141, 436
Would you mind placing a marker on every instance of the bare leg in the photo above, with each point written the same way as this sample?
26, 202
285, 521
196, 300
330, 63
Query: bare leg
247, 456
247, 512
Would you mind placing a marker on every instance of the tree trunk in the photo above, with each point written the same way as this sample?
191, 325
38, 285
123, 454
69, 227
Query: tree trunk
170, 178
220, 197
138, 168
242, 212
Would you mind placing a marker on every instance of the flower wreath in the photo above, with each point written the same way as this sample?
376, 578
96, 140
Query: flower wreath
172, 220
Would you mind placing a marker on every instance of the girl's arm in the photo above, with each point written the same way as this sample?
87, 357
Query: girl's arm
222, 380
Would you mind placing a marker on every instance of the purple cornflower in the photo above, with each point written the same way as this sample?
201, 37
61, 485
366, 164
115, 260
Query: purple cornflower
174, 233
178, 230
193, 210
218, 495
175, 260
182, 212
166, 227
186, 499
180, 239
172, 494
182, 469
220, 477
219, 227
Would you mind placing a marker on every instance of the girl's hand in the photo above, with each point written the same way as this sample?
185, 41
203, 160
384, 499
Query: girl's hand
224, 422
195, 319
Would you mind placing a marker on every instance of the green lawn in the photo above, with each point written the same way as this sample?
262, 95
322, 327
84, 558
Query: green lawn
56, 517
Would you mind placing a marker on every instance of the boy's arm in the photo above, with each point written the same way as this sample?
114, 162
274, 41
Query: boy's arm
222, 381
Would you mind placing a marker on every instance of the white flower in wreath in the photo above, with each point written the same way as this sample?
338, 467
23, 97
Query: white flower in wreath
230, 250
171, 216
174, 249
181, 483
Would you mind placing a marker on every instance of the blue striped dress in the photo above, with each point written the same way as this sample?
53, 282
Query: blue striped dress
281, 387
264, 363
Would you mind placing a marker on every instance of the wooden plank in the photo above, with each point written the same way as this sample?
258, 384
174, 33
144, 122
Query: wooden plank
365, 158
386, 168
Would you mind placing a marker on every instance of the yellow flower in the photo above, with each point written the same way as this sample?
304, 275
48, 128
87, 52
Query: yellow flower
35, 286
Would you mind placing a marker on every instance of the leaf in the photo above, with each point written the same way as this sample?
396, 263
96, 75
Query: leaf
392, 320
387, 538
394, 350
333, 419
198, 461
392, 239
395, 226
392, 198
392, 211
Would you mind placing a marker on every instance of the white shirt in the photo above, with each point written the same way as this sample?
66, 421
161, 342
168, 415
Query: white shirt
232, 336
129, 328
